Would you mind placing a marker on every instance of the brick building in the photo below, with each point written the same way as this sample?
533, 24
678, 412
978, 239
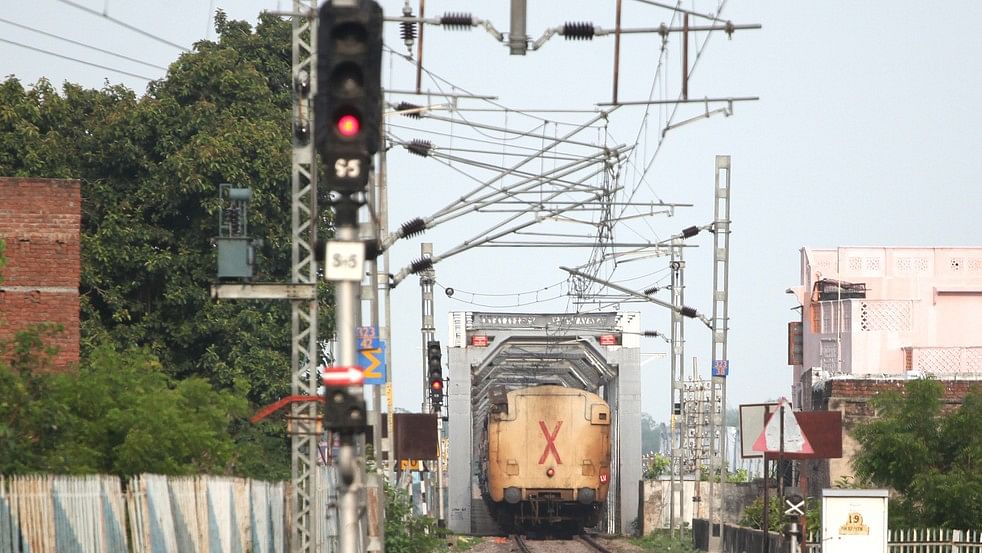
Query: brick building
873, 318
40, 223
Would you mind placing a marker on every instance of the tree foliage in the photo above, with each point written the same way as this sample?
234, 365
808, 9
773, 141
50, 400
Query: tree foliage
150, 167
651, 434
119, 414
931, 458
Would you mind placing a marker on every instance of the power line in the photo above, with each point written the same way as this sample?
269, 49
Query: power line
113, 69
126, 25
82, 44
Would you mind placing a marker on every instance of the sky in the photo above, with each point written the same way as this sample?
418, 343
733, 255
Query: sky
865, 133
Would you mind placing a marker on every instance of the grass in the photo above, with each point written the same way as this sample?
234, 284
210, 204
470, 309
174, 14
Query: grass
464, 543
662, 541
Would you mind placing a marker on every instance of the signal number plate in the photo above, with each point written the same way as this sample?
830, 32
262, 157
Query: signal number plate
345, 261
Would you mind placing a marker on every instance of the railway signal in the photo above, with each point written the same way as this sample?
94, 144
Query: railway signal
342, 376
348, 103
434, 367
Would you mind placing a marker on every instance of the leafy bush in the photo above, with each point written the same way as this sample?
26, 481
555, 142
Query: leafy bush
406, 531
663, 541
656, 465
753, 515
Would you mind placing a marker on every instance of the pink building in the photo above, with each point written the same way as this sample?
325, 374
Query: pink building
871, 318
886, 312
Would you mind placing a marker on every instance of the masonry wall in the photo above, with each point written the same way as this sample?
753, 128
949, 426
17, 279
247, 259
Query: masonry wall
657, 510
40, 222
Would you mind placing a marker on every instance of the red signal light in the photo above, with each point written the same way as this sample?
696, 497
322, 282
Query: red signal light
609, 340
348, 126
436, 385
479, 341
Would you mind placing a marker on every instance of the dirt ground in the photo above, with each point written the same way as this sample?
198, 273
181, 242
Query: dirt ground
505, 545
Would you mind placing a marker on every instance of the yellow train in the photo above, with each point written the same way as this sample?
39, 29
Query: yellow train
545, 457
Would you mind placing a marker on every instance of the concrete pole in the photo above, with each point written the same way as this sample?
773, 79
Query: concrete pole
351, 470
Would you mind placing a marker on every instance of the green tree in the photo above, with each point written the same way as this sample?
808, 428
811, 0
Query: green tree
32, 421
150, 168
931, 458
120, 414
651, 434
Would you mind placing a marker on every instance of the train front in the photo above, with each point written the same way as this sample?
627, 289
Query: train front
547, 463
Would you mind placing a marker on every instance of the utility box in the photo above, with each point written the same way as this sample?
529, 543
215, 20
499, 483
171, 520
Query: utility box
236, 257
854, 521
236, 251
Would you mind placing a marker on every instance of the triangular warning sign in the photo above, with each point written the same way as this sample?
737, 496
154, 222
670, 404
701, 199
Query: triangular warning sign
794, 439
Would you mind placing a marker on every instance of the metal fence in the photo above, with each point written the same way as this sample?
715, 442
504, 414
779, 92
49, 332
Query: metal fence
154, 514
922, 540
740, 539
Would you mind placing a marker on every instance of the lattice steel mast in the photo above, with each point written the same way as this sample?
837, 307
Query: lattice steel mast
307, 513
720, 367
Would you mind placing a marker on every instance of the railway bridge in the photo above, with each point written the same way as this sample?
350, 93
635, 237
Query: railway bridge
597, 352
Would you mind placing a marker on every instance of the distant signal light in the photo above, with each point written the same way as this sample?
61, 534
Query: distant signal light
609, 340
479, 341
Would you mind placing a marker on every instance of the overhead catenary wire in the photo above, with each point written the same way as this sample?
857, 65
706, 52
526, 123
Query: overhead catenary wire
503, 129
504, 294
661, 140
681, 10
125, 25
478, 240
460, 208
82, 44
77, 60
436, 79
612, 175
426, 149
561, 156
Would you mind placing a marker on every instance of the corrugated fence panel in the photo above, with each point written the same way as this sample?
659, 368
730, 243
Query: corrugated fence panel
31, 501
219, 505
157, 514
241, 511
87, 514
266, 517
114, 515
189, 531
9, 530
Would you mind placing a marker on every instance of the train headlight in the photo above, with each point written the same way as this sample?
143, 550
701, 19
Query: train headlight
551, 472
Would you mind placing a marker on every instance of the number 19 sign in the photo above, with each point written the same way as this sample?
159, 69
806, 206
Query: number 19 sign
344, 261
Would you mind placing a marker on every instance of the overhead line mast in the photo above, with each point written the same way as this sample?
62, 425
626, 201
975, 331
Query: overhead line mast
308, 516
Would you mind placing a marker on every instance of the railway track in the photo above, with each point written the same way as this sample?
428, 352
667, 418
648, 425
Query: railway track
586, 543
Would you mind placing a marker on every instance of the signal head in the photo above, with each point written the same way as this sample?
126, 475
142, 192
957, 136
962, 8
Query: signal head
348, 125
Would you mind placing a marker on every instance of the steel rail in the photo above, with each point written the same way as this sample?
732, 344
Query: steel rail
520, 542
592, 543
